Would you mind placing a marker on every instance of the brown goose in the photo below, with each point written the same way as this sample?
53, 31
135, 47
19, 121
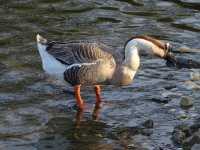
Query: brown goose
83, 63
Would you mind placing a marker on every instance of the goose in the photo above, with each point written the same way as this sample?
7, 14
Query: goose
90, 63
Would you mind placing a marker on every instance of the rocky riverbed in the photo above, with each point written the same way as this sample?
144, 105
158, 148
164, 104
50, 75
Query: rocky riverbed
159, 110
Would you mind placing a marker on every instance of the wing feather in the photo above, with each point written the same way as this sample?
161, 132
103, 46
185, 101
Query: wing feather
79, 51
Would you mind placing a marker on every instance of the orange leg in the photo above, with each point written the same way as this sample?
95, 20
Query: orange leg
79, 101
79, 115
98, 96
96, 112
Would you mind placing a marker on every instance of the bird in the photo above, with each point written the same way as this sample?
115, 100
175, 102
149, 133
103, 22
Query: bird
90, 63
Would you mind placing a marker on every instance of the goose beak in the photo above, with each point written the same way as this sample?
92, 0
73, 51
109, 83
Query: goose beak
170, 58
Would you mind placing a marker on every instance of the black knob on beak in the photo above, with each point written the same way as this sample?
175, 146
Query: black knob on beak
170, 58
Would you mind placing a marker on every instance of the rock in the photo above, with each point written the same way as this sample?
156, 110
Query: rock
191, 85
187, 101
195, 126
195, 147
194, 115
194, 139
184, 63
148, 124
161, 99
183, 128
183, 116
178, 137
146, 132
168, 105
195, 76
171, 95
179, 133
189, 50
131, 145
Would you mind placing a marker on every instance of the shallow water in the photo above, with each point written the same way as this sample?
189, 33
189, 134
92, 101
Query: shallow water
36, 114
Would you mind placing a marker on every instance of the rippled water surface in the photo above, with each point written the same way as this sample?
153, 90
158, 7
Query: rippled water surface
36, 114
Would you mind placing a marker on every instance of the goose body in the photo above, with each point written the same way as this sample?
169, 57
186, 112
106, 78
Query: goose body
83, 63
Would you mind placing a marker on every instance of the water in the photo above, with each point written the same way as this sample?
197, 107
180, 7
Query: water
36, 114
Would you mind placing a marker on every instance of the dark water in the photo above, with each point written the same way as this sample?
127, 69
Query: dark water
36, 114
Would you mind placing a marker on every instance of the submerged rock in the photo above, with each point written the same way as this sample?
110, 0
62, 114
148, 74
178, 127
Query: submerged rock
191, 85
178, 137
184, 63
180, 132
148, 124
187, 101
161, 99
183, 128
194, 139
195, 147
195, 76
195, 126
189, 50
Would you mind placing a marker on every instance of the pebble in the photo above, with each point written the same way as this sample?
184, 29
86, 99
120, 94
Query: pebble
191, 85
195, 76
194, 115
168, 105
170, 94
148, 124
188, 50
161, 99
187, 101
131, 145
184, 116
173, 110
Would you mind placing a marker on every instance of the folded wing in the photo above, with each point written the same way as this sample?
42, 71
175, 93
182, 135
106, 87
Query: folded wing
76, 52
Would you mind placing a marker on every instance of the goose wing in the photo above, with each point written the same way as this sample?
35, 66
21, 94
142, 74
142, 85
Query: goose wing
74, 52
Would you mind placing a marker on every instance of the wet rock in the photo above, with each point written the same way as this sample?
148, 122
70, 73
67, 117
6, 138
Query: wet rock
194, 115
123, 134
183, 128
161, 99
189, 50
195, 126
180, 132
184, 63
178, 137
194, 139
148, 124
170, 94
195, 76
187, 101
191, 85
169, 87
195, 147
169, 76
146, 132
168, 105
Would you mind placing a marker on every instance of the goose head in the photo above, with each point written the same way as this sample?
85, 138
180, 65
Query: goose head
155, 47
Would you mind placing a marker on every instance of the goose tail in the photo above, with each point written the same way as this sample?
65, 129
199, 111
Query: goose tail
41, 40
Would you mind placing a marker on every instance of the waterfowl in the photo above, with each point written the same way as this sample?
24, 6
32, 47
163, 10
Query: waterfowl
86, 63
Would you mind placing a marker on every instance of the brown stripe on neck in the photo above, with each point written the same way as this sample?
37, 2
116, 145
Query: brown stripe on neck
154, 41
